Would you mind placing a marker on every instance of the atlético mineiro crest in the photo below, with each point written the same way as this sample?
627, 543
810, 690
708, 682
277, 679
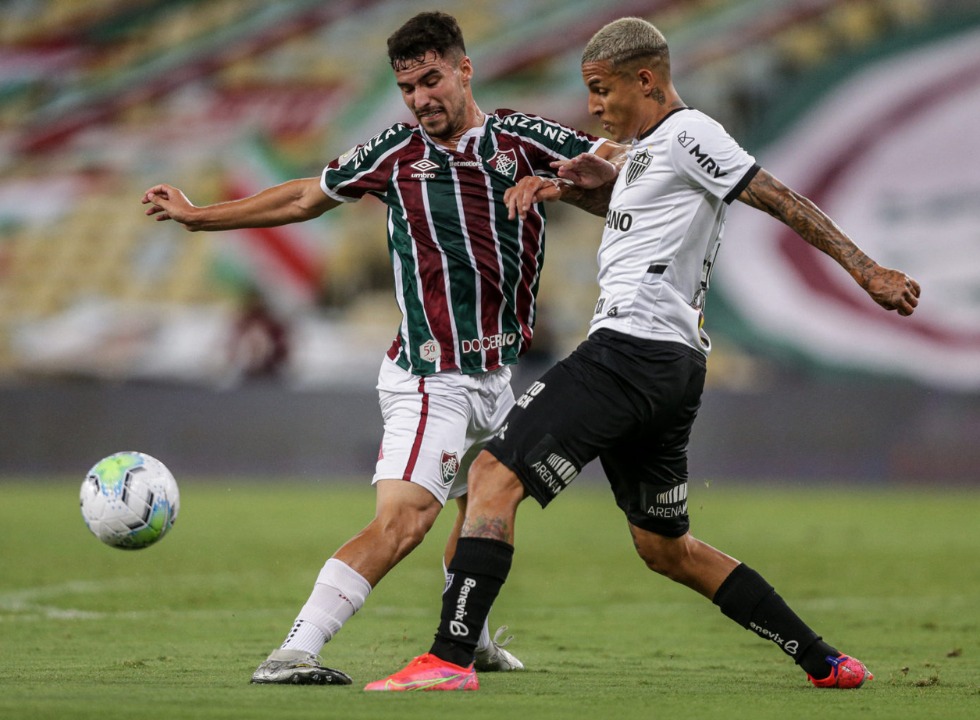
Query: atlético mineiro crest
505, 163
450, 466
637, 164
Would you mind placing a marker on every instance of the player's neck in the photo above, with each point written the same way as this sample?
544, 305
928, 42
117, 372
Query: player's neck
474, 118
657, 112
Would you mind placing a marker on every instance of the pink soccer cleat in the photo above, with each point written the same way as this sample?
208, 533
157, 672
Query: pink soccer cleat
428, 672
846, 673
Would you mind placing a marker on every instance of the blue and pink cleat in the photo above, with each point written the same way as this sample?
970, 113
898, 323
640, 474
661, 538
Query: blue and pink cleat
428, 672
846, 673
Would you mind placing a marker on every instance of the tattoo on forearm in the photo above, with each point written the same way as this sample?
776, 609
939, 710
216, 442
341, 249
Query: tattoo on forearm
594, 201
810, 222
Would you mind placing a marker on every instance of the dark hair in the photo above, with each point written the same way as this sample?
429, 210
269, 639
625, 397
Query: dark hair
426, 32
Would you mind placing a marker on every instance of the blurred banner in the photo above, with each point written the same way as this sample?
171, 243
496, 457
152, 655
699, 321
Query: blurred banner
890, 152
867, 106
256, 352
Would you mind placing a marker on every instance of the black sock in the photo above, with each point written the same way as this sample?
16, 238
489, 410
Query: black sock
749, 600
476, 574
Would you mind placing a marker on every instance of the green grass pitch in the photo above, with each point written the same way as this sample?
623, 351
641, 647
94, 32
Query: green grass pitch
174, 631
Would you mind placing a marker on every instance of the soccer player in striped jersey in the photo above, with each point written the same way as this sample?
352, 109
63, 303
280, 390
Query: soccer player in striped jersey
630, 393
466, 277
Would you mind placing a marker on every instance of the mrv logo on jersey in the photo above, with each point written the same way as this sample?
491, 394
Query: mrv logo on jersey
704, 160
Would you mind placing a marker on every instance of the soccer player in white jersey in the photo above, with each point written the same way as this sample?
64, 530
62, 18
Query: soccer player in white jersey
466, 277
629, 394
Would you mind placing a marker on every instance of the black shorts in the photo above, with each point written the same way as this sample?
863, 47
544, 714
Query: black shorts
631, 403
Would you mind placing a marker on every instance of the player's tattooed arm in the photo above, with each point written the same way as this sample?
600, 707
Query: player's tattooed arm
585, 181
589, 178
892, 289
592, 200
534, 189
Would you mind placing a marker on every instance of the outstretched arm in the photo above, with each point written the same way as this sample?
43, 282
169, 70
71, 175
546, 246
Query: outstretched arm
292, 201
892, 289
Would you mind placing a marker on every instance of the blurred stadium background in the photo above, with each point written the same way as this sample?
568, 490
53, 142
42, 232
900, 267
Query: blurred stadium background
256, 352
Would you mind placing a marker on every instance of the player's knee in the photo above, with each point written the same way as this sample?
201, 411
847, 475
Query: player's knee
484, 466
402, 532
660, 563
493, 485
670, 557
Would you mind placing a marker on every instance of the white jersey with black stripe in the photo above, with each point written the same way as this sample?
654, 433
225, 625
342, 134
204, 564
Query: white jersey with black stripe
664, 227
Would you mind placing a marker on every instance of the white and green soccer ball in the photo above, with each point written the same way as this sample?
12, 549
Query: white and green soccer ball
129, 500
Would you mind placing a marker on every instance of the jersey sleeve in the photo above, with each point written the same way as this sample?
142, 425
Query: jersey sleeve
365, 168
706, 156
545, 141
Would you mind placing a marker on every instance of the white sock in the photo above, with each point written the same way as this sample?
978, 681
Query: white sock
484, 642
305, 636
339, 592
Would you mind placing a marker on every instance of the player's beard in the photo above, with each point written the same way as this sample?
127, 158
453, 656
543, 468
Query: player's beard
444, 126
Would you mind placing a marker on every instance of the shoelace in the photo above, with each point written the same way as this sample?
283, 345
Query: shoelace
496, 637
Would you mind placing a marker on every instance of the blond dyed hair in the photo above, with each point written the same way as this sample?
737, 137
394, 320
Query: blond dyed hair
627, 41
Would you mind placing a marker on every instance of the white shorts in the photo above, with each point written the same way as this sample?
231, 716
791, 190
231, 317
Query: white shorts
434, 426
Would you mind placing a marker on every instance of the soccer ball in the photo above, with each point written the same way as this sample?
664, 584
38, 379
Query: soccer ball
129, 500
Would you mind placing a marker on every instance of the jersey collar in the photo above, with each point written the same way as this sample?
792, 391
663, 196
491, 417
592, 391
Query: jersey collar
662, 120
465, 140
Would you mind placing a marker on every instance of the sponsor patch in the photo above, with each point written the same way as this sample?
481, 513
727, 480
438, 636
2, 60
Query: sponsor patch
532, 392
704, 161
669, 503
555, 472
347, 156
430, 350
491, 342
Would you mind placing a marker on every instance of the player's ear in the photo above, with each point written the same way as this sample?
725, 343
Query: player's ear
647, 80
466, 68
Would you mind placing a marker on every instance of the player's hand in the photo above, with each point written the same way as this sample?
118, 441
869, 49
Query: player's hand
529, 190
893, 290
586, 171
169, 203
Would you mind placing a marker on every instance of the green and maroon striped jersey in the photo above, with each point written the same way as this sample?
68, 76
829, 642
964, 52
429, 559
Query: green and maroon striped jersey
466, 277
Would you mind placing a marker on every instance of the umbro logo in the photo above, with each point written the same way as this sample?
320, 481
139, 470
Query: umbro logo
424, 169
